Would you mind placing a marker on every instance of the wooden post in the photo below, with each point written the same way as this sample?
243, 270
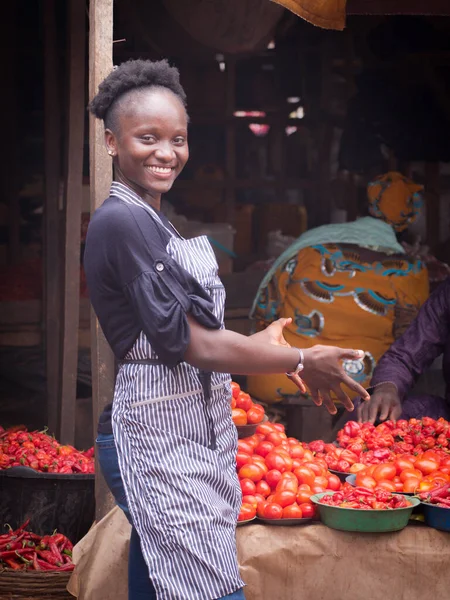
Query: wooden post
73, 206
10, 162
100, 64
52, 249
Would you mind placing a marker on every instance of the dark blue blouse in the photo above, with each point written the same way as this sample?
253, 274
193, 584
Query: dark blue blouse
129, 294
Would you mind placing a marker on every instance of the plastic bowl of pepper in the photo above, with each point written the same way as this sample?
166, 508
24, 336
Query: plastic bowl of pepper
364, 511
436, 507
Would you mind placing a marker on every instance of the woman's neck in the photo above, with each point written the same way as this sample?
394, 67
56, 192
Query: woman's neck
152, 200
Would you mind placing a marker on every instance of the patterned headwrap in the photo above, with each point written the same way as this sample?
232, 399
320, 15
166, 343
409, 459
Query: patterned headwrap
395, 199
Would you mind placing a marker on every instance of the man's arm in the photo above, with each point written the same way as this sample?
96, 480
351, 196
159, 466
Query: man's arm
409, 356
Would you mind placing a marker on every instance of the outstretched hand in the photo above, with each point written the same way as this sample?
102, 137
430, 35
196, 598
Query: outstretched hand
323, 373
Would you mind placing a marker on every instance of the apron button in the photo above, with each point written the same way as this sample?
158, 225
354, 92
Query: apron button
159, 267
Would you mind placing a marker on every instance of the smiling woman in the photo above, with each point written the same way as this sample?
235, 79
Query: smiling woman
160, 303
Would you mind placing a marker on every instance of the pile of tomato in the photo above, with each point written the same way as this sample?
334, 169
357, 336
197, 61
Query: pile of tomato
363, 444
278, 475
41, 452
244, 411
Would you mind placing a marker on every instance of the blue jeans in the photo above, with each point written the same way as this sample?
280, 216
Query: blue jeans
140, 586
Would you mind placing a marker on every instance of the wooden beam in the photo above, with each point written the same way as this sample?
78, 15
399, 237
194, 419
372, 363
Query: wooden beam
100, 64
8, 102
73, 206
52, 249
398, 7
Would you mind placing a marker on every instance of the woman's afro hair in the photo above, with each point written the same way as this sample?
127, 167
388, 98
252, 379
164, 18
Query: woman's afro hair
134, 75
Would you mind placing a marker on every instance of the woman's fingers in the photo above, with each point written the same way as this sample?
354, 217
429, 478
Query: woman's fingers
298, 382
356, 387
346, 354
342, 397
330, 406
316, 397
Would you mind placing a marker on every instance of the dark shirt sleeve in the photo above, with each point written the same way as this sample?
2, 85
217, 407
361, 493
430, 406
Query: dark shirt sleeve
419, 346
155, 287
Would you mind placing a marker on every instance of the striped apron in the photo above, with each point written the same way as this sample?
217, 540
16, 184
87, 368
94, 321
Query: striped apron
177, 447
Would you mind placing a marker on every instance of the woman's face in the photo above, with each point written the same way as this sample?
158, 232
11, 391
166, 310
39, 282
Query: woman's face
150, 145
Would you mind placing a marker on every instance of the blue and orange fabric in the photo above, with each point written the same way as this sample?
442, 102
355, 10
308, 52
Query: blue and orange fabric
341, 288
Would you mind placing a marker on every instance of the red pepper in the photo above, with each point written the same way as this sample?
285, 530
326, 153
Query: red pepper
49, 557
13, 564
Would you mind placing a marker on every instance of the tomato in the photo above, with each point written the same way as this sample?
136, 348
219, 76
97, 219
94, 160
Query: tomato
308, 510
247, 512
321, 481
248, 487
305, 475
255, 439
253, 472
252, 500
401, 463
296, 463
398, 484
304, 495
284, 498
244, 401
315, 467
273, 511
275, 460
365, 481
293, 441
245, 446
318, 489
261, 508
263, 488
233, 403
308, 455
296, 451
273, 477
426, 465
386, 484
407, 473
279, 427
264, 448
265, 428
235, 389
292, 512
334, 483
255, 415
357, 467
410, 484
276, 437
384, 471
287, 484
425, 486
242, 459
239, 416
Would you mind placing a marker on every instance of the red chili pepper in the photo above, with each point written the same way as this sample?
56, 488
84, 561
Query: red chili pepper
13, 564
44, 565
56, 552
49, 557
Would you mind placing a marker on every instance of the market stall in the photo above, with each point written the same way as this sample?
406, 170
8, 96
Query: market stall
283, 563
377, 501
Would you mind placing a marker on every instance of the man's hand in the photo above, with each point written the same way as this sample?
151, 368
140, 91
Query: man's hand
384, 401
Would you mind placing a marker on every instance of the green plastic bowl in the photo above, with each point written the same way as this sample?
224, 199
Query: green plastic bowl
367, 521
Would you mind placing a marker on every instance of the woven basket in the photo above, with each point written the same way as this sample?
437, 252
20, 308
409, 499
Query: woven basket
18, 585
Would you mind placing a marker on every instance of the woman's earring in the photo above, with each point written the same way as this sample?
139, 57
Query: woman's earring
110, 152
